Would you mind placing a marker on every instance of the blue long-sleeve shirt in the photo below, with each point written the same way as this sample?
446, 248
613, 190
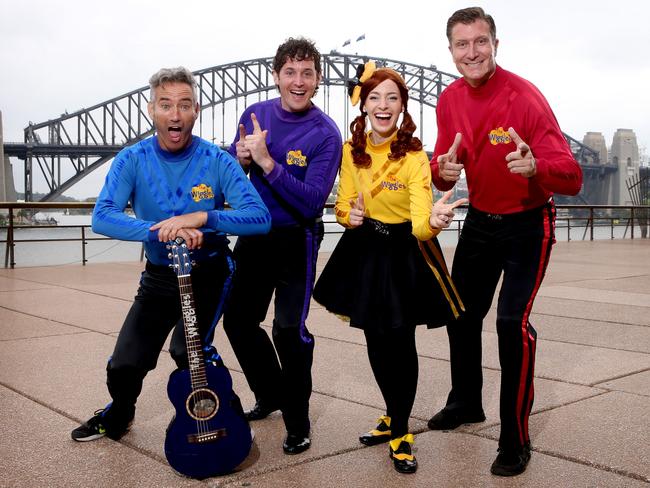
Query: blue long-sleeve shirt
306, 147
160, 184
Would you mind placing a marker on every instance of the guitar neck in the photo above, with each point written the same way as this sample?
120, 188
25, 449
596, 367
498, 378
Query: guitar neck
192, 333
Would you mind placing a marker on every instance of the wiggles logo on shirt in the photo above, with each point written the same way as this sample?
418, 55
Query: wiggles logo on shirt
296, 158
392, 183
202, 192
499, 136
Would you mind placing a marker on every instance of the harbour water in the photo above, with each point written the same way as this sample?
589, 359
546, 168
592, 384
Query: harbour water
56, 246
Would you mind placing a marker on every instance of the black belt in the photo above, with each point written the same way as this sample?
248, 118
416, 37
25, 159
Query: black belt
384, 229
524, 215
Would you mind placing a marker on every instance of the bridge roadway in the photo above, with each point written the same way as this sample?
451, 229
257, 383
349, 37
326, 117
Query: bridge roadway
590, 424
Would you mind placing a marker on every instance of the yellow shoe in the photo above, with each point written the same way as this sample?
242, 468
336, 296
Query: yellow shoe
379, 434
401, 454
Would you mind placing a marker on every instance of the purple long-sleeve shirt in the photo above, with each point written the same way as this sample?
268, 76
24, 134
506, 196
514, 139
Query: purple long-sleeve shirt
306, 147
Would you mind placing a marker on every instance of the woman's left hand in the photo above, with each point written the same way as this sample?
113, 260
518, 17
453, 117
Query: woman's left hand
442, 213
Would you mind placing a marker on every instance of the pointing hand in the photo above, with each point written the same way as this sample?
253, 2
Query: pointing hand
449, 167
357, 211
521, 161
243, 154
255, 143
442, 213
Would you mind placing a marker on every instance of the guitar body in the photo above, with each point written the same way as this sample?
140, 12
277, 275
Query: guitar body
209, 434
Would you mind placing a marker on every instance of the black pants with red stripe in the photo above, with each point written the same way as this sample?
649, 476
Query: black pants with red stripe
517, 248
281, 264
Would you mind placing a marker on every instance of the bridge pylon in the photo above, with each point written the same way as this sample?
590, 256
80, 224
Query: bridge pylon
7, 188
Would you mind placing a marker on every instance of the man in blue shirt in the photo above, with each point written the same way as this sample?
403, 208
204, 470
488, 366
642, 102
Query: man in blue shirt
177, 184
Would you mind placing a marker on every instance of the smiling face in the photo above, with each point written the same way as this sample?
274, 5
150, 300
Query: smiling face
383, 106
174, 111
297, 82
474, 51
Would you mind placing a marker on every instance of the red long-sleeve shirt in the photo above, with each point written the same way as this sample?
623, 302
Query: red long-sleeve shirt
483, 115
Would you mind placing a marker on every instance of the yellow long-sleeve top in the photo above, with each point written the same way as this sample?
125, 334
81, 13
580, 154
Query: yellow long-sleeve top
393, 191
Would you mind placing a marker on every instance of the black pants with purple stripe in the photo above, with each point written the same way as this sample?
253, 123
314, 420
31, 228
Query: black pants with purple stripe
516, 248
283, 263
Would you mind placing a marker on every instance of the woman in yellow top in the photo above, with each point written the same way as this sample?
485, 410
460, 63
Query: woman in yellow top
387, 273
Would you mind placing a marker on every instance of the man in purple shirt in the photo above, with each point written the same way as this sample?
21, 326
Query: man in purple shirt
292, 151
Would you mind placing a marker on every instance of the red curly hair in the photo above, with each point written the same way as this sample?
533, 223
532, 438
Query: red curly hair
404, 142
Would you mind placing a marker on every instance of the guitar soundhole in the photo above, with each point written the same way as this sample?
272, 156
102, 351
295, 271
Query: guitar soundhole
202, 404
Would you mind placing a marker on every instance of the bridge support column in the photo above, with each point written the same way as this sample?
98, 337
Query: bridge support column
7, 189
625, 153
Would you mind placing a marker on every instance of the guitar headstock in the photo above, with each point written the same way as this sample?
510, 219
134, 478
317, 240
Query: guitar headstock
180, 257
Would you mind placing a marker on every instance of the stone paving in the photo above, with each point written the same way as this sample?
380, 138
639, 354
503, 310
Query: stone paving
590, 425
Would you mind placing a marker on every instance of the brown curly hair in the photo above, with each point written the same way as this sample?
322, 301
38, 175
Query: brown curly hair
404, 142
299, 49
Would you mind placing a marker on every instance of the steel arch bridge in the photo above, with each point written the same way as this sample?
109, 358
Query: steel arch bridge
68, 148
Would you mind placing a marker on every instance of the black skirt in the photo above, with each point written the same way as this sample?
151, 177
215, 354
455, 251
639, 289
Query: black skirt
380, 276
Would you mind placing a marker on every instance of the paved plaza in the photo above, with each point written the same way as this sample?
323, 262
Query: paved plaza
590, 425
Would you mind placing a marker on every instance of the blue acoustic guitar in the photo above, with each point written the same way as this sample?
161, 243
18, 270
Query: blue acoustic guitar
209, 434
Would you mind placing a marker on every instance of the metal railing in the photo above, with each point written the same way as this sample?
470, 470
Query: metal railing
588, 222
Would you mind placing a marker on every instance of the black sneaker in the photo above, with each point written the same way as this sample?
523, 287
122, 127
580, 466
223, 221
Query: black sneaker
95, 428
379, 434
511, 462
259, 411
295, 444
447, 419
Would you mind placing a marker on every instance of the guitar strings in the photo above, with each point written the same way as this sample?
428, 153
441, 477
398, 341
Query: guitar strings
197, 378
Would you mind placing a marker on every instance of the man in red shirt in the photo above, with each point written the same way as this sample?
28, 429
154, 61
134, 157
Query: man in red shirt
499, 129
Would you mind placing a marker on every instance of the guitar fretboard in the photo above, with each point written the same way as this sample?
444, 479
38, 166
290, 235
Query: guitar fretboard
192, 333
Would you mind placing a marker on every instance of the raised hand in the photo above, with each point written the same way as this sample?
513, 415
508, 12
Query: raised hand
449, 167
357, 211
521, 161
243, 154
442, 213
255, 143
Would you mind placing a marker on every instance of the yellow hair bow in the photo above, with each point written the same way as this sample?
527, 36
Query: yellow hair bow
364, 71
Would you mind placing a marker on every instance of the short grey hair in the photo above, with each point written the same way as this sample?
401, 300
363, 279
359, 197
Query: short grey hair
179, 74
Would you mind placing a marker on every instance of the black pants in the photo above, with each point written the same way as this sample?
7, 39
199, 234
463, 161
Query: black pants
154, 313
282, 262
518, 247
394, 362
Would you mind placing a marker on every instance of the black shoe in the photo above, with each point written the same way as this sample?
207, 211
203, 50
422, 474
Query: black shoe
259, 411
400, 452
379, 434
96, 428
295, 444
511, 462
447, 419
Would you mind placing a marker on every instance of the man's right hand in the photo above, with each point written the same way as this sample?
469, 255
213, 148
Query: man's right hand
449, 167
243, 154
185, 226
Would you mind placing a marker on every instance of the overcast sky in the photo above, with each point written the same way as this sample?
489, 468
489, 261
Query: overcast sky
589, 58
